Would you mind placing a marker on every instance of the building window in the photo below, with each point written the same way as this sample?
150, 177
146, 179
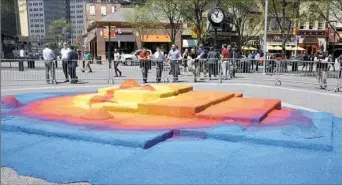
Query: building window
320, 25
113, 9
92, 10
103, 10
311, 24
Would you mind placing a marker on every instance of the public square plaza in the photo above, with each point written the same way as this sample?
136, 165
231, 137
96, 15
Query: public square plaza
37, 150
171, 92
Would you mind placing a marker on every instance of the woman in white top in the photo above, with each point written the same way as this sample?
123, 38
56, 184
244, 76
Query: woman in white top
116, 62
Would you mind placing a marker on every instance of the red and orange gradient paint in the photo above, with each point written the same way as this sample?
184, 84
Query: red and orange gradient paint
131, 106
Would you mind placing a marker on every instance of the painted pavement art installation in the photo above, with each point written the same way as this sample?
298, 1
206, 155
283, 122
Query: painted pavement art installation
142, 117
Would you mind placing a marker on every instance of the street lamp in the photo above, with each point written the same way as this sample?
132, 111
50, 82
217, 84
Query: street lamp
265, 35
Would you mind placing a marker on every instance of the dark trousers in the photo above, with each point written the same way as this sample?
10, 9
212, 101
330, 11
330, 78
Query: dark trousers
175, 71
160, 68
212, 69
294, 66
72, 74
144, 70
65, 68
116, 69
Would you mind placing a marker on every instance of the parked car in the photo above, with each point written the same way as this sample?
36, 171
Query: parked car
131, 59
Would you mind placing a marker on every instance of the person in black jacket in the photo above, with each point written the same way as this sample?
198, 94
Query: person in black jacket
235, 55
321, 70
72, 64
212, 62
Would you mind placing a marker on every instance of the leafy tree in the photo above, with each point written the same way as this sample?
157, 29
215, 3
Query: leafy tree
142, 21
283, 17
193, 12
245, 17
329, 10
166, 10
59, 30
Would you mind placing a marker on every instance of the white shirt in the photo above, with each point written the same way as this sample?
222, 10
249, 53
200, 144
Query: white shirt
48, 54
117, 56
22, 53
65, 53
159, 55
257, 56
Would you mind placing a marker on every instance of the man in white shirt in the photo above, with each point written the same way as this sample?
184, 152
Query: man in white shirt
22, 53
159, 57
64, 55
117, 62
257, 58
49, 56
174, 56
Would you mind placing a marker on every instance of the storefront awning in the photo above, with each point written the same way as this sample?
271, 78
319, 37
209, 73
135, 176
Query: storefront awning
297, 48
156, 38
122, 38
249, 48
275, 48
90, 36
189, 43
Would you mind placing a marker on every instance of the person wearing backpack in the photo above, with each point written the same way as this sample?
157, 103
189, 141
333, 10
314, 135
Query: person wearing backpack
87, 57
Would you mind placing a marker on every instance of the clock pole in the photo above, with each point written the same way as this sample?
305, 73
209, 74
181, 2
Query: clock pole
215, 38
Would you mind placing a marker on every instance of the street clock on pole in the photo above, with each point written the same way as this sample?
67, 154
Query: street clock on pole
216, 17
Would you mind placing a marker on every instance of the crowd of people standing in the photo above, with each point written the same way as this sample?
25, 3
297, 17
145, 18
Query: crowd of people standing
207, 61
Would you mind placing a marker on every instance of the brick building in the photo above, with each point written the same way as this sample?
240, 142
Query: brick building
123, 36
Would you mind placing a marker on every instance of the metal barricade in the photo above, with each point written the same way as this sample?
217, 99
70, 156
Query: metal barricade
339, 81
277, 72
38, 70
302, 73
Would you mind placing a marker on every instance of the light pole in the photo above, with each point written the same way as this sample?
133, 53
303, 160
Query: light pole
265, 36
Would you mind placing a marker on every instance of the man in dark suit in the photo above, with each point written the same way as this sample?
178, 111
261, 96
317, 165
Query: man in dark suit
72, 64
213, 57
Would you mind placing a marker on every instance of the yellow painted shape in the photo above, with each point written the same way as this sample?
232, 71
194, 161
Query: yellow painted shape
138, 96
121, 107
83, 100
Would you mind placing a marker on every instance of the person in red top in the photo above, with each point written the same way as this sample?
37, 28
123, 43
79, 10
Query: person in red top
145, 64
225, 65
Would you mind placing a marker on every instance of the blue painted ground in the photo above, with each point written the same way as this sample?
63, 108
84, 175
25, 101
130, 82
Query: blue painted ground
219, 159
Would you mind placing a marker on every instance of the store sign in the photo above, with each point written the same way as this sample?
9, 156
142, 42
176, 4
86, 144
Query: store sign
106, 32
310, 41
278, 38
313, 32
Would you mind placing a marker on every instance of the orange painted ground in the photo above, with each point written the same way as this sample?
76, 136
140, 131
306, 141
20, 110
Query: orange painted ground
181, 108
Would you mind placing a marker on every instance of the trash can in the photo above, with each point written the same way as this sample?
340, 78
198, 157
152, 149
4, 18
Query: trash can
30, 64
21, 65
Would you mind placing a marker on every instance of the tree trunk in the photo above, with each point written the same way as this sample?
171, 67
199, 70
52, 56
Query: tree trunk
283, 32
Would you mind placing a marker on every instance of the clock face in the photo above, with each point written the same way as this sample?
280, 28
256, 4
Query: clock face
217, 16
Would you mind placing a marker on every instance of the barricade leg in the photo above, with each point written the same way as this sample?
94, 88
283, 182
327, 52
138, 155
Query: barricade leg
110, 75
339, 82
53, 72
220, 71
